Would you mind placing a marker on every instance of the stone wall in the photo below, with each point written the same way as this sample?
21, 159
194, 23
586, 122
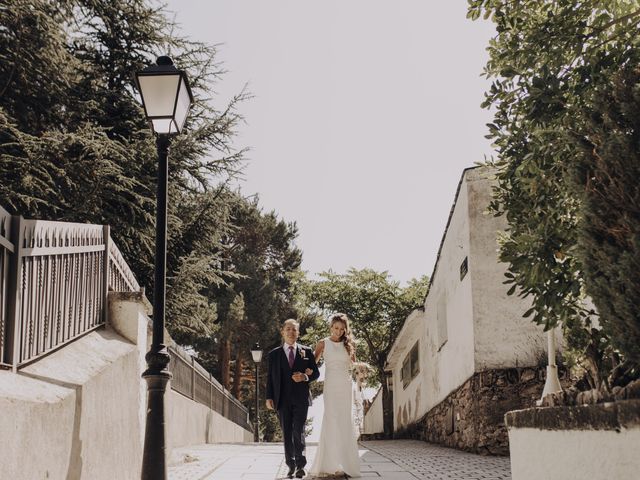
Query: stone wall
472, 417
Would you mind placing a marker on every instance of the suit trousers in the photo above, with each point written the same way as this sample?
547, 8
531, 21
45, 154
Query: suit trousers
293, 417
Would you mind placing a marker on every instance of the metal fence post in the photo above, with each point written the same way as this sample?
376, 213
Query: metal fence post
193, 379
106, 234
14, 295
210, 391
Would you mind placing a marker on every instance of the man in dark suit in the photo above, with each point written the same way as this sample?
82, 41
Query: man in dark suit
288, 393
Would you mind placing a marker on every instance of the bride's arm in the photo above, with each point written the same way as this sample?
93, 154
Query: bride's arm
319, 350
316, 355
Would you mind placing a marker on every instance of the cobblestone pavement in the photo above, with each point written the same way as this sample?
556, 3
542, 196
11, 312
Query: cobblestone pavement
383, 459
433, 462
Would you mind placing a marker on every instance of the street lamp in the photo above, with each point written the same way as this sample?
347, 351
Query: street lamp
256, 353
166, 98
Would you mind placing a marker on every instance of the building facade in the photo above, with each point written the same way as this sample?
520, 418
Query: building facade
468, 356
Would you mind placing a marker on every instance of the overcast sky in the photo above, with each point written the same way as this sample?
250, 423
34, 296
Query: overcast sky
365, 113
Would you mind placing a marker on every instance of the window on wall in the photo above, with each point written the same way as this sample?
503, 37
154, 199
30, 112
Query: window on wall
411, 365
464, 268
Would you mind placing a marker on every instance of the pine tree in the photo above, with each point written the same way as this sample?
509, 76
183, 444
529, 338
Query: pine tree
74, 145
606, 178
549, 63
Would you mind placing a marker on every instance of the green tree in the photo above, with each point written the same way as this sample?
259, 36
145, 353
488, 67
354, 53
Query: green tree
262, 254
377, 307
74, 145
259, 258
605, 178
549, 61
234, 322
195, 259
33, 50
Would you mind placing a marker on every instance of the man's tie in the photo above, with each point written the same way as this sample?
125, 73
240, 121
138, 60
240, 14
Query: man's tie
291, 357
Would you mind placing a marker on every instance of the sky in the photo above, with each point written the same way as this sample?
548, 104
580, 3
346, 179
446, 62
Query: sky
364, 115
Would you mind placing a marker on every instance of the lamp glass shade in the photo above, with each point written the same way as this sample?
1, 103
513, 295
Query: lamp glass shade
256, 353
166, 98
163, 125
182, 105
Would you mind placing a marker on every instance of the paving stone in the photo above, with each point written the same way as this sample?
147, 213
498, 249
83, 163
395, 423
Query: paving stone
381, 459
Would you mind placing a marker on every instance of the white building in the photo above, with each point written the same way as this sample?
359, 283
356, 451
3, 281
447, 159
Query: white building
468, 356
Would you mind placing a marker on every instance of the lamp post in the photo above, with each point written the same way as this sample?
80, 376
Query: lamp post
256, 353
166, 98
552, 383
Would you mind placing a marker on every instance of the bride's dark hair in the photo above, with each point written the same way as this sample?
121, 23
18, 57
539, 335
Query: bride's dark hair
347, 338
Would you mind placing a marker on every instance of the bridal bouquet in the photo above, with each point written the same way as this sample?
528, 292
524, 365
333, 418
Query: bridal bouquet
360, 371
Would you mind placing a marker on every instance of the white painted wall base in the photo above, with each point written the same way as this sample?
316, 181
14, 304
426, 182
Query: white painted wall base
373, 420
191, 423
74, 413
79, 412
592, 442
574, 454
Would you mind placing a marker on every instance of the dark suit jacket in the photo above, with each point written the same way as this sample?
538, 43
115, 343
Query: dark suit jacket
279, 373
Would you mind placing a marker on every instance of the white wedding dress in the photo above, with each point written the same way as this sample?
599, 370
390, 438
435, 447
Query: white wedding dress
338, 448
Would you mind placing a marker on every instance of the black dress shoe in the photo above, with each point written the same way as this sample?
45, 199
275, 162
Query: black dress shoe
300, 473
291, 471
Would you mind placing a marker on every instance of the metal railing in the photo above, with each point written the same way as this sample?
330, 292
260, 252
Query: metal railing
54, 281
121, 278
193, 381
6, 250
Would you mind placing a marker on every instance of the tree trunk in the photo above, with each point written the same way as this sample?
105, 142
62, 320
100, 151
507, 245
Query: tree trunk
237, 375
225, 360
387, 404
387, 411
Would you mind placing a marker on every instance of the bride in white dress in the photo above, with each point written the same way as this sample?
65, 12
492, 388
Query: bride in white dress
338, 448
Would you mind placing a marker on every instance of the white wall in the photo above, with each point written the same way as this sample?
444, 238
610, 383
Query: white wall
484, 327
443, 367
88, 428
447, 369
503, 338
373, 420
191, 423
407, 402
80, 412
26, 452
574, 454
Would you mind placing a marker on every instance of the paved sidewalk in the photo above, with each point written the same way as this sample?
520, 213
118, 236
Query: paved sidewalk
383, 459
